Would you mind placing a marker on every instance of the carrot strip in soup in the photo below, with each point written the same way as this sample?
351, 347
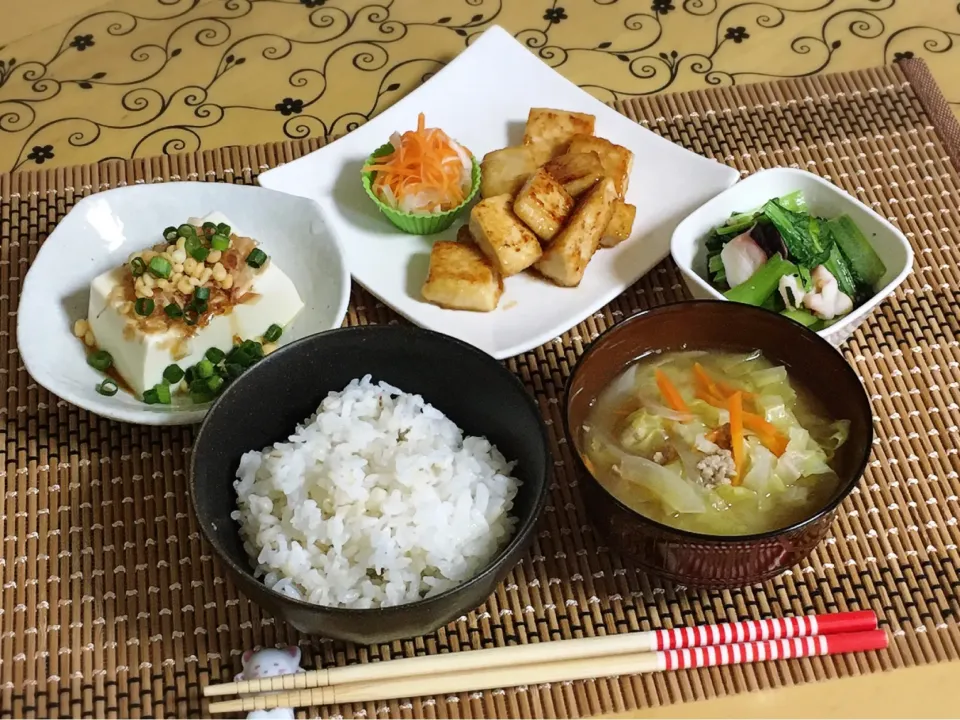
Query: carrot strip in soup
735, 407
703, 394
705, 380
670, 393
726, 390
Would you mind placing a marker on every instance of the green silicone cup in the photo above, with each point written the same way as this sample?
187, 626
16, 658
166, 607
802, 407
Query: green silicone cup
418, 224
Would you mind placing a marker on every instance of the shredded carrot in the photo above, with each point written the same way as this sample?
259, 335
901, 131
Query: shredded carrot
735, 406
426, 160
709, 398
705, 380
670, 393
726, 390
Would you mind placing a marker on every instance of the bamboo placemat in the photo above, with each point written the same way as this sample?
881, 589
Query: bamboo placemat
112, 604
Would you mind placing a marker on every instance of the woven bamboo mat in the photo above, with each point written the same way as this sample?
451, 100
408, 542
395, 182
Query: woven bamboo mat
112, 605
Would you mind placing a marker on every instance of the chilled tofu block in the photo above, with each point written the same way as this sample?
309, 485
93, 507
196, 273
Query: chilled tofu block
566, 259
555, 128
577, 172
503, 172
142, 346
620, 225
461, 277
543, 205
617, 161
502, 237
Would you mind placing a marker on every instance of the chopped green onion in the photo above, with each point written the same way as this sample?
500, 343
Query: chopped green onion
160, 267
204, 368
170, 234
161, 392
240, 357
191, 315
256, 258
173, 374
215, 355
189, 375
144, 306
191, 244
200, 306
173, 311
137, 266
209, 228
108, 387
100, 360
273, 333
253, 348
215, 383
201, 293
220, 242
151, 396
224, 229
200, 391
233, 370
200, 254
187, 230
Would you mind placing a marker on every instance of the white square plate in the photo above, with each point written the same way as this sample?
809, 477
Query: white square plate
825, 199
482, 99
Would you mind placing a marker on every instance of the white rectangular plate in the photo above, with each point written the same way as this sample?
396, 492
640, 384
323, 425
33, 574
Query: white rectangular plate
482, 99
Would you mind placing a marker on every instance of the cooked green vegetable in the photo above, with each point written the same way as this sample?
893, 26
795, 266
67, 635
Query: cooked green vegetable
866, 265
802, 316
838, 267
802, 234
763, 283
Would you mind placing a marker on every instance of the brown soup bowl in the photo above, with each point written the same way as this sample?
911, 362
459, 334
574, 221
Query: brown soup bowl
712, 561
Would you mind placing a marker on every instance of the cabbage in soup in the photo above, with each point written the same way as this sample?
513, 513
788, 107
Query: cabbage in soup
714, 443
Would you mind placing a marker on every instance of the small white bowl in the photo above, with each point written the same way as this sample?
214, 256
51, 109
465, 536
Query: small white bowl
689, 251
103, 229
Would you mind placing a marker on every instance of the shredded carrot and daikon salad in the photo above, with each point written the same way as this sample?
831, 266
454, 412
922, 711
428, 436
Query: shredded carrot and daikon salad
426, 172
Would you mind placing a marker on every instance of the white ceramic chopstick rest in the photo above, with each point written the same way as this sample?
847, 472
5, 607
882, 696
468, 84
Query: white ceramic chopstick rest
267, 662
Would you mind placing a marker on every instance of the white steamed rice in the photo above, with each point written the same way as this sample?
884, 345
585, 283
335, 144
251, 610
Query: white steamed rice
378, 499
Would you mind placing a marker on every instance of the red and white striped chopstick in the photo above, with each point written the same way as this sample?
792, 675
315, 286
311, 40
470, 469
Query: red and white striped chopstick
514, 655
769, 629
561, 671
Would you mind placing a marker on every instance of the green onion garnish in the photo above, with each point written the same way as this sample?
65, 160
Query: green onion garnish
204, 368
189, 375
173, 374
220, 242
273, 333
201, 293
173, 311
144, 306
200, 306
215, 383
191, 315
253, 348
256, 258
108, 387
160, 267
151, 396
100, 360
200, 391
224, 229
137, 267
200, 254
215, 355
187, 230
191, 244
209, 228
170, 234
157, 395
232, 370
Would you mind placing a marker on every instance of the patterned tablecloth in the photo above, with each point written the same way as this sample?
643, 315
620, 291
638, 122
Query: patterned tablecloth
87, 80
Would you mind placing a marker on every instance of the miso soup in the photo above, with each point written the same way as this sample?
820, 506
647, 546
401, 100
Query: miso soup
714, 443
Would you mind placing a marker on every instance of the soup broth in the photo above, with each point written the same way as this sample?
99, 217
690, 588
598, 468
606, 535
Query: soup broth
713, 442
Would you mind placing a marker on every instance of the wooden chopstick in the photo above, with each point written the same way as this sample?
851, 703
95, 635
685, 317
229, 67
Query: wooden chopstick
547, 652
561, 671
